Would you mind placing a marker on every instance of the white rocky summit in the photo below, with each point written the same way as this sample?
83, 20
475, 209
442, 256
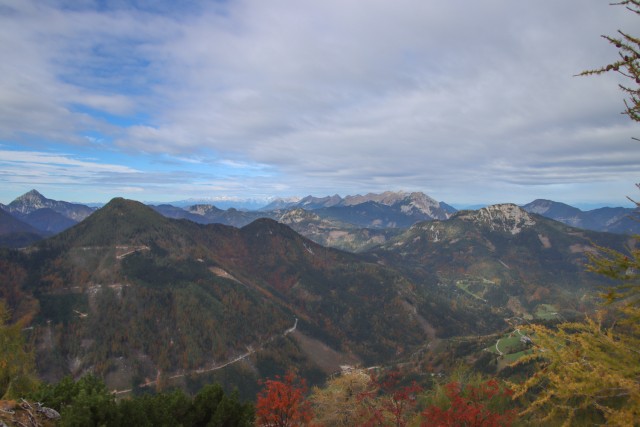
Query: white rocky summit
506, 217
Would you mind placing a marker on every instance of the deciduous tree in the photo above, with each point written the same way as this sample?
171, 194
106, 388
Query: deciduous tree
17, 367
388, 402
339, 403
471, 405
281, 403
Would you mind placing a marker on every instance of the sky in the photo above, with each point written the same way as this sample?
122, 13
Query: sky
468, 102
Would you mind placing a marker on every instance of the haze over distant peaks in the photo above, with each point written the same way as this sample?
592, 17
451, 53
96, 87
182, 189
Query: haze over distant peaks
281, 203
613, 220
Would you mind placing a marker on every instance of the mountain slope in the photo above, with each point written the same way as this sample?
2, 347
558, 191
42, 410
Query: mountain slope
128, 292
501, 259
15, 233
10, 224
48, 220
333, 233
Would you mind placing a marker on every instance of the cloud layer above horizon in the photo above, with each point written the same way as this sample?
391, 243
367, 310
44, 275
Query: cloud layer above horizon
466, 101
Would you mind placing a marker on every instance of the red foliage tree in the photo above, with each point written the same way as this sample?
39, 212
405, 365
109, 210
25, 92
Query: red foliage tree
281, 403
394, 406
471, 406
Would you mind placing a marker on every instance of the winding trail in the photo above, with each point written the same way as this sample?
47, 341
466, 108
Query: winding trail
200, 371
134, 250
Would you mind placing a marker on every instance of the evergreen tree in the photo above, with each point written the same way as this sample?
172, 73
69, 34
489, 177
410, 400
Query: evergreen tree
590, 371
628, 65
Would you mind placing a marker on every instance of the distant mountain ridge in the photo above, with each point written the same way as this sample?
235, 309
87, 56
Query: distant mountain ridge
33, 200
340, 222
45, 217
408, 203
352, 223
613, 220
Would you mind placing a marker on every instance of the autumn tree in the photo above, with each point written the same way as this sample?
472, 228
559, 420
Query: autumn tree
281, 403
628, 64
358, 397
590, 371
390, 403
339, 402
587, 372
471, 405
17, 366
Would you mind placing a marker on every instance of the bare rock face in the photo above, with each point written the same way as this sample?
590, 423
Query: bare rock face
204, 210
507, 217
408, 203
296, 216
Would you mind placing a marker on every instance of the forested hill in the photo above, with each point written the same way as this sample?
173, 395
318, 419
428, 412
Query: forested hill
128, 293
502, 257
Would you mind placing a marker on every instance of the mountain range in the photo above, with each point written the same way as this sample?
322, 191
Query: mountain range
141, 299
39, 217
352, 223
128, 287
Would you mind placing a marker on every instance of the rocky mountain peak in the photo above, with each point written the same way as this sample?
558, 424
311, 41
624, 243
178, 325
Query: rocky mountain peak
508, 217
425, 204
297, 215
33, 201
29, 202
203, 209
408, 203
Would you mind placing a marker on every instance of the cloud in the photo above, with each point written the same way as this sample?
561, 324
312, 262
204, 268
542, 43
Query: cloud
328, 96
92, 178
42, 168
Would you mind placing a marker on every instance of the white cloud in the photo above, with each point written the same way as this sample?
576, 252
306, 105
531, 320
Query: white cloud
40, 168
335, 96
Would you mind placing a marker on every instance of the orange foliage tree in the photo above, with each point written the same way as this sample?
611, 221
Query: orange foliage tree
281, 403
